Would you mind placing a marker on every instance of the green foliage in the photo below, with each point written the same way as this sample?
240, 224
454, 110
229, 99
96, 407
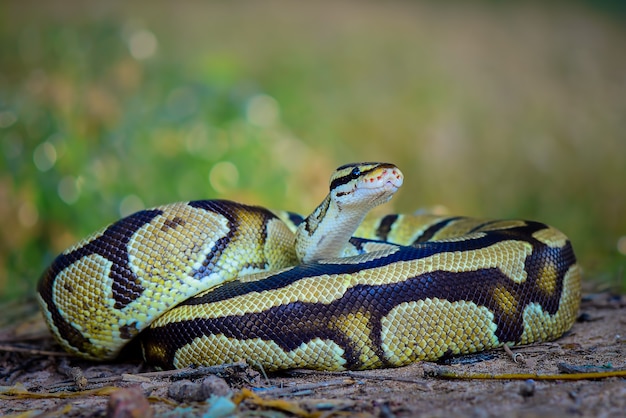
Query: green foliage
516, 112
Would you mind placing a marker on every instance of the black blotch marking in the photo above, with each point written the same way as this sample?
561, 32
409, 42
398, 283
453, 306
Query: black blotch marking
312, 222
384, 228
480, 226
433, 229
295, 218
231, 211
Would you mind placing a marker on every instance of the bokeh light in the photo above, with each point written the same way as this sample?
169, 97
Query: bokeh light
507, 110
142, 44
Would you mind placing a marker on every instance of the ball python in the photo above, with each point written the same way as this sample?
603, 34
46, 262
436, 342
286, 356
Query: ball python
212, 281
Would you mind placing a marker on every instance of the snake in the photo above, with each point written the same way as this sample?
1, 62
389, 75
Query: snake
210, 282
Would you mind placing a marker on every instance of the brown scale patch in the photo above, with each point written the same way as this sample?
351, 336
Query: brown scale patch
128, 332
173, 223
155, 351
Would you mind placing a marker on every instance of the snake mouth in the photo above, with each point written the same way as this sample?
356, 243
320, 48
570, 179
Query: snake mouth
388, 179
393, 186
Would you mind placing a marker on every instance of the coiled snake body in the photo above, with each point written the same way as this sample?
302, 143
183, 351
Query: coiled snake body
209, 282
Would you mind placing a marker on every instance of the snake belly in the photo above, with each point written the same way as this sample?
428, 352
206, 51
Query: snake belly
451, 286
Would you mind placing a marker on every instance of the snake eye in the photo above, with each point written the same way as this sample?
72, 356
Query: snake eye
355, 172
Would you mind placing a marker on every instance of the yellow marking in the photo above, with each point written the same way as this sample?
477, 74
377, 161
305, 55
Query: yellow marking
155, 352
540, 325
356, 327
457, 229
429, 328
407, 228
279, 245
455, 238
170, 254
505, 224
218, 349
283, 215
504, 299
380, 248
551, 237
546, 281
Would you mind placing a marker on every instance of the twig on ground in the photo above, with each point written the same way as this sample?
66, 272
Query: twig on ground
365, 376
444, 373
74, 373
32, 351
290, 390
176, 374
516, 357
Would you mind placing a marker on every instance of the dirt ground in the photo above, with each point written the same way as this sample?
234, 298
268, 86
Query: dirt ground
36, 383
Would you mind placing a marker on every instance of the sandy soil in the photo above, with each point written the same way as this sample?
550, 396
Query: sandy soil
37, 383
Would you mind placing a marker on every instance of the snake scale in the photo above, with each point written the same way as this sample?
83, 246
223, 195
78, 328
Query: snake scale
209, 282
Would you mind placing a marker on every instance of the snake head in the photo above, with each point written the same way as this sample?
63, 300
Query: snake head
364, 185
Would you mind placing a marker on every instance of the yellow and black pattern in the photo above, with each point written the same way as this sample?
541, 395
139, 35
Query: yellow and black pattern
207, 282
102, 292
519, 284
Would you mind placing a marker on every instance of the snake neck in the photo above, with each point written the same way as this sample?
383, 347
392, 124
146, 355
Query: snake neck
326, 231
355, 189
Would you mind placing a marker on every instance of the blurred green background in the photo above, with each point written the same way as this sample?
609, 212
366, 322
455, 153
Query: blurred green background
491, 109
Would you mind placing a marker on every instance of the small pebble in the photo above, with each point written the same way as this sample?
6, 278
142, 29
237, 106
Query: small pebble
213, 385
188, 391
129, 403
185, 391
527, 389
